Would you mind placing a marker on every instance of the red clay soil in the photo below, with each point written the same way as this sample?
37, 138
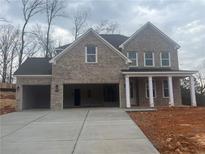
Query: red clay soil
174, 130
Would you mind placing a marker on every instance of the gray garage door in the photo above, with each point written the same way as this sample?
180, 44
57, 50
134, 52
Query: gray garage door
36, 96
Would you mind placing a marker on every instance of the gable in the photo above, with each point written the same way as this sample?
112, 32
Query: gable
149, 32
98, 37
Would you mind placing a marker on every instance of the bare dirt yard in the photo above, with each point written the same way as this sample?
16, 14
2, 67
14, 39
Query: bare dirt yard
7, 102
179, 130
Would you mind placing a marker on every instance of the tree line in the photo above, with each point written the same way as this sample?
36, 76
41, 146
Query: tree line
19, 42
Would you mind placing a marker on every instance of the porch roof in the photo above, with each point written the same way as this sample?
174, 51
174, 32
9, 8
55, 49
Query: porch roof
141, 72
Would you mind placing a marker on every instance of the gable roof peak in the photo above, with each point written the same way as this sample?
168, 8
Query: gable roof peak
90, 30
149, 24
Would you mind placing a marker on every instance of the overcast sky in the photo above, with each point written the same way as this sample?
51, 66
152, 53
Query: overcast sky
182, 20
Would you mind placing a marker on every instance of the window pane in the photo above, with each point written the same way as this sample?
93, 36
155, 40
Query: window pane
165, 55
91, 49
166, 93
149, 62
166, 88
132, 55
91, 58
165, 84
165, 62
148, 55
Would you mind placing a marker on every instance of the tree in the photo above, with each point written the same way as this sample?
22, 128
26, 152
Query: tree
54, 9
105, 26
79, 21
30, 8
200, 85
9, 40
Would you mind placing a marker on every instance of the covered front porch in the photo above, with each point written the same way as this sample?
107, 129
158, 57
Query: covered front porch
156, 88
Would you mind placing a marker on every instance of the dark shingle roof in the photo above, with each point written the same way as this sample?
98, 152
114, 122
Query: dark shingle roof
35, 66
115, 39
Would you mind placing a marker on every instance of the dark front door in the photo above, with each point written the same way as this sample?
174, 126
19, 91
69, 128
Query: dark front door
77, 97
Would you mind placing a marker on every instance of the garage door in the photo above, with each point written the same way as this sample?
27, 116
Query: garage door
36, 96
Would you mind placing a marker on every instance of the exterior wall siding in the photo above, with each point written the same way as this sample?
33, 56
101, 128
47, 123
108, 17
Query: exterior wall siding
151, 40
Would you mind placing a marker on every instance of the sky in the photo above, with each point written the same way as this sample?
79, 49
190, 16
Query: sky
182, 20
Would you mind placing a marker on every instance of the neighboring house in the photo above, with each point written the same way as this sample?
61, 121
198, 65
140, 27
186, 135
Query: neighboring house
105, 70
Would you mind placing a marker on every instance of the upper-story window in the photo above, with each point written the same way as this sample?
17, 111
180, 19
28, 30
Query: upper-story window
165, 59
91, 54
149, 59
133, 56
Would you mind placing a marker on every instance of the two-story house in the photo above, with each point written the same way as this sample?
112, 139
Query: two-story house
105, 70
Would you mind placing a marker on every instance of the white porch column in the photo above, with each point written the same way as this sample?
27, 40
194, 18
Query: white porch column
151, 99
192, 91
127, 90
171, 95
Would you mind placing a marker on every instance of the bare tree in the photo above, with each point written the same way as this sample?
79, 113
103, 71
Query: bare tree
105, 26
40, 36
79, 21
200, 83
9, 40
54, 9
30, 8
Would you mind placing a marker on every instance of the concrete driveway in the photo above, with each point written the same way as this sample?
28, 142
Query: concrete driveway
72, 131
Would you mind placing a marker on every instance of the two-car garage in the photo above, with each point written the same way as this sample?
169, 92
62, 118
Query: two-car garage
74, 95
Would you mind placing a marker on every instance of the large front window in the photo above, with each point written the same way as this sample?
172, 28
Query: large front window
133, 56
165, 59
149, 59
147, 88
91, 54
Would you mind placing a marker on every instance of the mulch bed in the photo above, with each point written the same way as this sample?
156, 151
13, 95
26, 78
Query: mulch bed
178, 130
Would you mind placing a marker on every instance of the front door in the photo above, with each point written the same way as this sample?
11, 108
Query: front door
77, 97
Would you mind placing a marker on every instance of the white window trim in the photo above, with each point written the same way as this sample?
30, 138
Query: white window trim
161, 60
152, 59
163, 88
96, 56
155, 88
137, 63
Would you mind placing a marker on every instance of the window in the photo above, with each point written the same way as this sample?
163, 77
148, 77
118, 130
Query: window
133, 56
149, 58
147, 88
165, 59
91, 54
165, 88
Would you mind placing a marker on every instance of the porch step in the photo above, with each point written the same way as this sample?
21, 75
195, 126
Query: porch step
141, 109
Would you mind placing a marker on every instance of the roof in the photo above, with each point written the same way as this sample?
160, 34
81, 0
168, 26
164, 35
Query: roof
113, 39
127, 60
35, 66
150, 25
